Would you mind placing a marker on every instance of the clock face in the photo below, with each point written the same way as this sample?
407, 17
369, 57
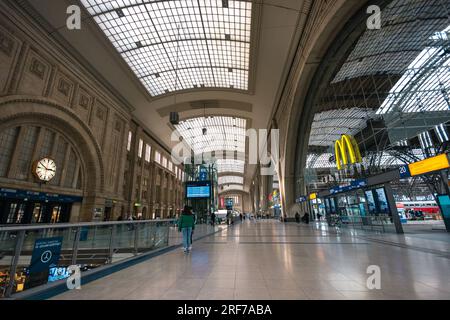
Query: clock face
45, 169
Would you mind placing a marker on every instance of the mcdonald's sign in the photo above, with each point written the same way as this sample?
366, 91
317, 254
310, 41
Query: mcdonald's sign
346, 151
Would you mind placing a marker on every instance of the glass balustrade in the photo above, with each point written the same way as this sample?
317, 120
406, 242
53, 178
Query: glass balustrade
87, 245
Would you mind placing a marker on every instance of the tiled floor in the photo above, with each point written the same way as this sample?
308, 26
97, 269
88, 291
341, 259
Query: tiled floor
271, 260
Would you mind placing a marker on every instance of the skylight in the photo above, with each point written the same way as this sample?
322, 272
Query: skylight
425, 84
232, 187
329, 126
222, 134
178, 45
231, 180
230, 165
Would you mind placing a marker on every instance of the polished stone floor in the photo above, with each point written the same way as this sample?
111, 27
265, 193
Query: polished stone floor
270, 260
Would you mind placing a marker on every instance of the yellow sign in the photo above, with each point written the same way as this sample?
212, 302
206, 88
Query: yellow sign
313, 196
429, 165
346, 151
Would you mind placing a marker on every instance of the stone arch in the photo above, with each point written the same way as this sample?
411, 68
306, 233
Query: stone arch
332, 45
26, 110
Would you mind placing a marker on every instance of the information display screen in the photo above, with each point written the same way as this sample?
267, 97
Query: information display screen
195, 190
333, 206
382, 201
371, 202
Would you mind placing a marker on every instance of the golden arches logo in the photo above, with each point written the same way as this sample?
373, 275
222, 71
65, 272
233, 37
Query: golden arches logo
346, 149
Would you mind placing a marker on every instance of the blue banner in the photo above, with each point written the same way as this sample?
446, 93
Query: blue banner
46, 254
353, 186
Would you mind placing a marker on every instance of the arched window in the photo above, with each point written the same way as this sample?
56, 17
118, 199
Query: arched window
22, 145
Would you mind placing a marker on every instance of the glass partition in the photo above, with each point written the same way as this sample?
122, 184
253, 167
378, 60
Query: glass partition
37, 255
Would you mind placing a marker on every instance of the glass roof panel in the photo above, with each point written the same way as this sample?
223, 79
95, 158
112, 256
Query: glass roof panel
329, 126
231, 180
230, 165
232, 187
223, 134
199, 42
425, 84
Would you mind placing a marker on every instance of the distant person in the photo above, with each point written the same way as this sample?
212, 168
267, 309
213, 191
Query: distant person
305, 218
213, 219
241, 217
319, 216
297, 217
186, 224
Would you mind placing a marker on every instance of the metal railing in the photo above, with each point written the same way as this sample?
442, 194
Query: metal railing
380, 223
87, 244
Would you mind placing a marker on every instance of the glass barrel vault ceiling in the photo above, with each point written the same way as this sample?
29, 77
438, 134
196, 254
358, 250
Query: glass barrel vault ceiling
231, 180
177, 45
223, 133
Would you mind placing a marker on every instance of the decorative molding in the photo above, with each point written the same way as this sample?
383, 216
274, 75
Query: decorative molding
6, 44
64, 87
37, 68
84, 101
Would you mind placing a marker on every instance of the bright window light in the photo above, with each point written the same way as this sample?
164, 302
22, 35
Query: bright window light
158, 157
130, 137
175, 45
148, 151
141, 147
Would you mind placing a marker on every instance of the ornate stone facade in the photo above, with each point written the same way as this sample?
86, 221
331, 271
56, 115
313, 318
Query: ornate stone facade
43, 86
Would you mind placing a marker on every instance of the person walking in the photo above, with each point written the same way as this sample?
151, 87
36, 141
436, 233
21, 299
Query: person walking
297, 217
195, 222
213, 219
186, 224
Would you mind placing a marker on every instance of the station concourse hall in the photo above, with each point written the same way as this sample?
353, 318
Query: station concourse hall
240, 152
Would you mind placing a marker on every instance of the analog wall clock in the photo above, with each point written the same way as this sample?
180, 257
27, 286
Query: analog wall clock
44, 169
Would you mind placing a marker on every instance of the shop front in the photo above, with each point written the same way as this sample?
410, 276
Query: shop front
28, 207
359, 205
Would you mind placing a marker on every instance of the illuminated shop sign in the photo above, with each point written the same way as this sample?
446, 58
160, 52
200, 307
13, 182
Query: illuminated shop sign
313, 196
346, 151
302, 199
426, 166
